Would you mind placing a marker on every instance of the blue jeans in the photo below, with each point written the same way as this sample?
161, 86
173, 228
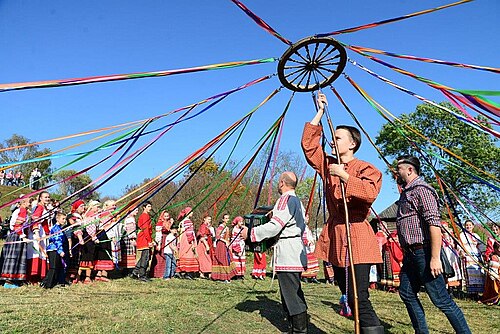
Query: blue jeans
170, 266
415, 273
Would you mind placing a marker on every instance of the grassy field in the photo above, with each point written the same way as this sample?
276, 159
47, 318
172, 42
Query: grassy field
202, 306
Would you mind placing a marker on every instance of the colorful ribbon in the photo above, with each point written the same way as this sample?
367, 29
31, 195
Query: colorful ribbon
399, 18
426, 60
116, 77
261, 22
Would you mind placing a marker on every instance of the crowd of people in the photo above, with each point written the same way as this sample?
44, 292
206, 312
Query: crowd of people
49, 247
16, 178
474, 262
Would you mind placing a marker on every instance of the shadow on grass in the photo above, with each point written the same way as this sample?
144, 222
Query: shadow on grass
337, 308
272, 311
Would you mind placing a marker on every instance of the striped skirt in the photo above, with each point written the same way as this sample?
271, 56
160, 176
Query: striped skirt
312, 267
240, 263
13, 259
222, 268
128, 252
188, 262
158, 261
103, 256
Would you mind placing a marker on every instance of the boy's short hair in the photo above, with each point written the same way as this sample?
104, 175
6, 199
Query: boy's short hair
355, 135
61, 214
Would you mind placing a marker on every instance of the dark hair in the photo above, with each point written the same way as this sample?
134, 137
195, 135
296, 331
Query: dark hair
40, 195
355, 135
409, 159
145, 204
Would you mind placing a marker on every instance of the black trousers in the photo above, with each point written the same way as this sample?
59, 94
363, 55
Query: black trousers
55, 270
367, 316
292, 296
142, 265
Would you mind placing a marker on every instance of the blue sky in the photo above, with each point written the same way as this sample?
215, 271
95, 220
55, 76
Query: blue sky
43, 40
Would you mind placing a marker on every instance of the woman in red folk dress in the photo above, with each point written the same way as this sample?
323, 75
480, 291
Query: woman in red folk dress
36, 255
205, 247
161, 230
238, 247
222, 268
188, 262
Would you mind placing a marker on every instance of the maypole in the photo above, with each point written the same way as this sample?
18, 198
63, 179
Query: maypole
309, 65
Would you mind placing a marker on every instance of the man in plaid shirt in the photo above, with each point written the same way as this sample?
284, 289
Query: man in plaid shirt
419, 232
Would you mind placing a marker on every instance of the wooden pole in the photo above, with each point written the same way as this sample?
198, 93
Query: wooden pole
357, 328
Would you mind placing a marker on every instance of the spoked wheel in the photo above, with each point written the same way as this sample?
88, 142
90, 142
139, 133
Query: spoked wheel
311, 63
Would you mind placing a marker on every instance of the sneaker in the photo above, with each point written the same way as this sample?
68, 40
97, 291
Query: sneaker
10, 286
133, 276
314, 280
144, 279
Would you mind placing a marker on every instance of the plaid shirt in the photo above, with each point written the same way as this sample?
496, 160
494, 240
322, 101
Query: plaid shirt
418, 209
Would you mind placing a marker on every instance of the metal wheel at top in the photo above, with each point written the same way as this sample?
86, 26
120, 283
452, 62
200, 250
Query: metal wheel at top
311, 63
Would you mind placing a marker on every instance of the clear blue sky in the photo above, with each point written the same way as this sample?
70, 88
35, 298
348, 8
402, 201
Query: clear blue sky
43, 40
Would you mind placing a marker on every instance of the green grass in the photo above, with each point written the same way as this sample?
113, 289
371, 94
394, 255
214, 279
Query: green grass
202, 306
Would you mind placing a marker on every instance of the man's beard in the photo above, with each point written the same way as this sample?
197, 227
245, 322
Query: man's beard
400, 181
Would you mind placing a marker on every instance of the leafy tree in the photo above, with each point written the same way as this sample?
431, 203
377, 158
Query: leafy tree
24, 153
73, 185
209, 168
474, 146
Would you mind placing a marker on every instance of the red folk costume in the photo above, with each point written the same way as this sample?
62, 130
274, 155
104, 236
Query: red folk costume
158, 261
362, 188
145, 235
238, 251
36, 255
103, 251
204, 255
222, 267
188, 262
259, 265
312, 262
13, 256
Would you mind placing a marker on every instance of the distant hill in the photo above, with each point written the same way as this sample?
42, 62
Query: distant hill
5, 191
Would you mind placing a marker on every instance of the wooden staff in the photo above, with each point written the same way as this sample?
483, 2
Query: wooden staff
357, 328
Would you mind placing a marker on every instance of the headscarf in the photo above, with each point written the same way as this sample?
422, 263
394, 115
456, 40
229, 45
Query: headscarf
184, 212
76, 205
237, 220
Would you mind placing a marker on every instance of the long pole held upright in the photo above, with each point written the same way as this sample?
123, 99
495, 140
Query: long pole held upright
357, 328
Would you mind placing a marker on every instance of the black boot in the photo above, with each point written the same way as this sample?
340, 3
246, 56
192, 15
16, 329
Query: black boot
299, 323
372, 330
289, 325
